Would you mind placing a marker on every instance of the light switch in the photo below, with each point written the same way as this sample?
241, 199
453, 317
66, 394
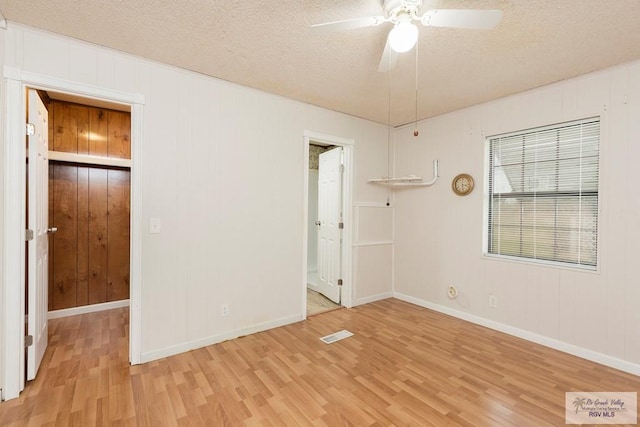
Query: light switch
155, 225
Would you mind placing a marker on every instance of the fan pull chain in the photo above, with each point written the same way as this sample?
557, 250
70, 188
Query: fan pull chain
389, 134
415, 130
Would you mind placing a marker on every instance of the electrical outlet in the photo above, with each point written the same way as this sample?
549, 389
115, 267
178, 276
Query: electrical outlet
224, 310
493, 301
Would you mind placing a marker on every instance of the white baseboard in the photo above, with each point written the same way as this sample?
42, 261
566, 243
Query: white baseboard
66, 312
215, 339
270, 325
575, 350
373, 298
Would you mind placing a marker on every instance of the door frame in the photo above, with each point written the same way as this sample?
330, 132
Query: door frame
347, 145
13, 276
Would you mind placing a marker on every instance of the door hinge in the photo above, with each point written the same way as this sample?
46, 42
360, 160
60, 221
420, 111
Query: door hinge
339, 282
28, 235
30, 129
341, 225
28, 340
341, 168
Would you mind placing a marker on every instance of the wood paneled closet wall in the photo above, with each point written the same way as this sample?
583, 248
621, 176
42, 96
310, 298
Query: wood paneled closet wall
89, 255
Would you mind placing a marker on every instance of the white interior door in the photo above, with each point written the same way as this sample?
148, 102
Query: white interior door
38, 221
329, 220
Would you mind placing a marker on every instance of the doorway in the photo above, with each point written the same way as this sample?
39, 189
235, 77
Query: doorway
327, 233
89, 206
80, 192
325, 215
14, 226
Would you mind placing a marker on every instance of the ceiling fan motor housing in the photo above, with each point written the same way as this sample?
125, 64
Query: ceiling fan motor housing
393, 7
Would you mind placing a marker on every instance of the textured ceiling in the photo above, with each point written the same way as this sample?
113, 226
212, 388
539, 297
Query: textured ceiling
269, 45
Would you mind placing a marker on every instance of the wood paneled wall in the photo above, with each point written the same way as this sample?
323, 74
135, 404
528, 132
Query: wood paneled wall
89, 255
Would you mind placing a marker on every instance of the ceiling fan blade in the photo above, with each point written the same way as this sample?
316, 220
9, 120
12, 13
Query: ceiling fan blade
389, 58
349, 24
462, 18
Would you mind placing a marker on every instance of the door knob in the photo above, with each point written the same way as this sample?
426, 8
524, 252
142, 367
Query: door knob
318, 223
52, 230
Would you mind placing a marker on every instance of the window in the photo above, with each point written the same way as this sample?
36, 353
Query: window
543, 193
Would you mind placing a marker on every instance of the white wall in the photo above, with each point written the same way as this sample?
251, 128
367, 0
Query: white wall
438, 235
373, 241
223, 169
2, 127
312, 228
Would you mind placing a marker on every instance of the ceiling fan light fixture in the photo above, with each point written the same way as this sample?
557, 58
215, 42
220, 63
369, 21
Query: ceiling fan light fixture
403, 36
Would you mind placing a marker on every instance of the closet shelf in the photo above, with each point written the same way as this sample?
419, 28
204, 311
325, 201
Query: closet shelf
89, 159
409, 180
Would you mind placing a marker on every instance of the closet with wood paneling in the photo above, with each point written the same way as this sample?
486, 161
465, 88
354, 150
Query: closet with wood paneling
89, 197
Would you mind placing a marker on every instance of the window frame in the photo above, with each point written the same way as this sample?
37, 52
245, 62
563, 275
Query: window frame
488, 198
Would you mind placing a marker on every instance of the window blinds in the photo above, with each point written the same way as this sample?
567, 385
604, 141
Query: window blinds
543, 193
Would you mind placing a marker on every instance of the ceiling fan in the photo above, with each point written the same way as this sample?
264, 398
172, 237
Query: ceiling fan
404, 34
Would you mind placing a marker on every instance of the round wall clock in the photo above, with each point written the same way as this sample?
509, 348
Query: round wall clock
462, 184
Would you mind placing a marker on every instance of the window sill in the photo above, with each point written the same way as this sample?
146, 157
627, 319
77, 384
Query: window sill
544, 264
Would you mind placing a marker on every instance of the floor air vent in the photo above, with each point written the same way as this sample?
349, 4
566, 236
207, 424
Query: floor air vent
336, 336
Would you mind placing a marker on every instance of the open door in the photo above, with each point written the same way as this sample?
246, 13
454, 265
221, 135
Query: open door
38, 224
330, 224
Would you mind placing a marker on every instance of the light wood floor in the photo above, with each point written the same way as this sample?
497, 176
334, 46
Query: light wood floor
318, 303
405, 365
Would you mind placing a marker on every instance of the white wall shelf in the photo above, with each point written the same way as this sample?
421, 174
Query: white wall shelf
408, 180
